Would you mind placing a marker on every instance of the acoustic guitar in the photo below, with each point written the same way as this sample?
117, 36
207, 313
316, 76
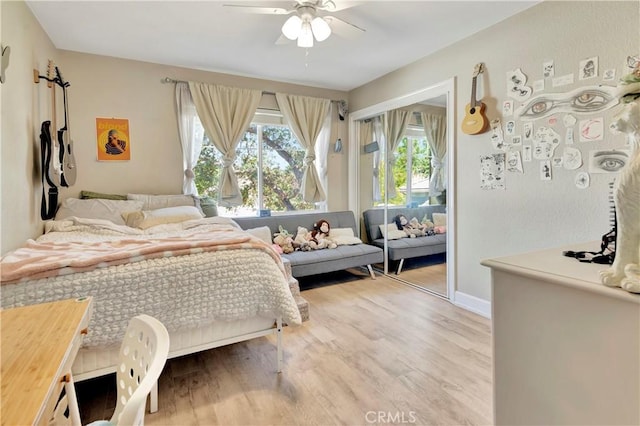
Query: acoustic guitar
474, 121
69, 171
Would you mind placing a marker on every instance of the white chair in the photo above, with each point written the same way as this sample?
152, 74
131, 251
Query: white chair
143, 354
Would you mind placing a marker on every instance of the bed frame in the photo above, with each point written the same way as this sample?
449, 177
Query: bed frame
96, 362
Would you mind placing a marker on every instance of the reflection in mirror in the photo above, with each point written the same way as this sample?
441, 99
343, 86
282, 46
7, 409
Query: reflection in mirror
403, 190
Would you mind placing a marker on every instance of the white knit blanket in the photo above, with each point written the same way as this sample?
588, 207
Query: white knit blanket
181, 291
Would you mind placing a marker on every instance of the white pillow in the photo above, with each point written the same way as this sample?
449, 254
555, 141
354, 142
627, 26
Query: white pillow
262, 232
392, 231
97, 208
154, 202
439, 219
148, 218
343, 236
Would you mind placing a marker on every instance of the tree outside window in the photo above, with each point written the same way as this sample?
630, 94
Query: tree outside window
269, 165
411, 170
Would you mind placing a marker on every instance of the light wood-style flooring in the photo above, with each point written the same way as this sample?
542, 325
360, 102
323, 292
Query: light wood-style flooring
373, 352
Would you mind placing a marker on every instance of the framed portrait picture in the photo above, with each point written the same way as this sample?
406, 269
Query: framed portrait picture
113, 141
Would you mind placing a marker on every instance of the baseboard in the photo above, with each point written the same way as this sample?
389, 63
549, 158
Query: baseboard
473, 304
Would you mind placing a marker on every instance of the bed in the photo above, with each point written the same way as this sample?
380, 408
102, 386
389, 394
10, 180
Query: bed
208, 281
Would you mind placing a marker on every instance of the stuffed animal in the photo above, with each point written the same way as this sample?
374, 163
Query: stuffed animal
425, 221
301, 241
284, 240
320, 236
403, 225
419, 229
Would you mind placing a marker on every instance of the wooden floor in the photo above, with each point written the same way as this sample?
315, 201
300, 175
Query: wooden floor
374, 351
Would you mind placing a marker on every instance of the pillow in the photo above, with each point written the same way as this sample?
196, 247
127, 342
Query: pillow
343, 236
155, 202
262, 232
392, 231
91, 195
439, 219
148, 218
440, 229
110, 210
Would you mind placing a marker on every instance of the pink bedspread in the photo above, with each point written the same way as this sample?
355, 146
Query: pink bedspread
47, 259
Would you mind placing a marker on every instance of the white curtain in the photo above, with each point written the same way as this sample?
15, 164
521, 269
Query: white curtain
190, 136
306, 117
322, 148
435, 127
225, 113
395, 126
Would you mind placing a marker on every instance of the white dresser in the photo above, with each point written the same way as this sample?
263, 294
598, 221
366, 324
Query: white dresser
566, 349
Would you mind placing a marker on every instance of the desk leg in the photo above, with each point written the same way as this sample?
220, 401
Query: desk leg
72, 400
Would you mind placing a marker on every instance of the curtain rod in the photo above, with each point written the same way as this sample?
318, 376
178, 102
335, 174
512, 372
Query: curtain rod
172, 80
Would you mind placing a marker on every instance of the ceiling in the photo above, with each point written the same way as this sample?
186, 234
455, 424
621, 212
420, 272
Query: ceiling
206, 35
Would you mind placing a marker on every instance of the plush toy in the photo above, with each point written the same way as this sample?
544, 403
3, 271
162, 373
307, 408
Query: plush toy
301, 241
425, 221
420, 229
427, 226
320, 236
403, 225
283, 240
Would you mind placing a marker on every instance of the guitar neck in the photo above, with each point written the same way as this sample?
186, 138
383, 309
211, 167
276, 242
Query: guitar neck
473, 92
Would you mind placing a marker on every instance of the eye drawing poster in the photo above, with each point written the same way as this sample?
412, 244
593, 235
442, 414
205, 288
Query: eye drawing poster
492, 171
608, 161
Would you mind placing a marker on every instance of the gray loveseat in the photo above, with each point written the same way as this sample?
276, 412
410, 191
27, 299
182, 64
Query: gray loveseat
314, 262
405, 248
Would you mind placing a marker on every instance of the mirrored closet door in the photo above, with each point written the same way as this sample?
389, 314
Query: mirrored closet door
404, 185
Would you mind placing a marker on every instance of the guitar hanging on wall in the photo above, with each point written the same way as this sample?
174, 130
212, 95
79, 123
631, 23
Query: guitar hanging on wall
474, 121
68, 160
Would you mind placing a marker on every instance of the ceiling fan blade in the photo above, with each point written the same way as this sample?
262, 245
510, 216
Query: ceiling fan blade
337, 5
343, 28
282, 40
258, 9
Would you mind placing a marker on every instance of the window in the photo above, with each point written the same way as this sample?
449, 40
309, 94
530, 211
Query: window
411, 170
269, 167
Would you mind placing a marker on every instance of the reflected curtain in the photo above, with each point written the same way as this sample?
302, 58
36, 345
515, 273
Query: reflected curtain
190, 136
365, 135
435, 128
306, 117
225, 113
378, 135
395, 125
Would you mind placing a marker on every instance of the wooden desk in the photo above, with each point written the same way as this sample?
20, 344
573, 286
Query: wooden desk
39, 344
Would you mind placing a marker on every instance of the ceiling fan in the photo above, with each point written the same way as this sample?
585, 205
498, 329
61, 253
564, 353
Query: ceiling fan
306, 24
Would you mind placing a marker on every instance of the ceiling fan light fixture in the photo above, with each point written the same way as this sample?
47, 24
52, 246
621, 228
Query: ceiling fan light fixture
305, 39
292, 27
321, 30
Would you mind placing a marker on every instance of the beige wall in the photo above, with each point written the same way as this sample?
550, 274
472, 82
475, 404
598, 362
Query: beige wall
530, 214
106, 87
23, 104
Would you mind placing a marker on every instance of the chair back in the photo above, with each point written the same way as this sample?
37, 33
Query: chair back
143, 354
